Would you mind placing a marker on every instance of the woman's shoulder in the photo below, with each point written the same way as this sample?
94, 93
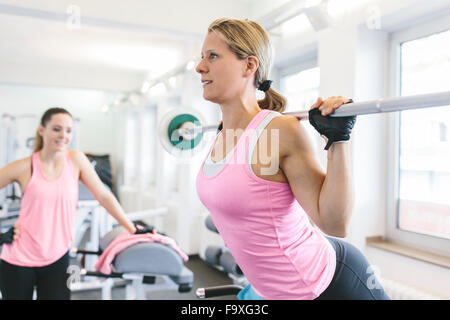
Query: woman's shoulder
291, 133
79, 158
22, 164
288, 126
76, 156
18, 167
284, 121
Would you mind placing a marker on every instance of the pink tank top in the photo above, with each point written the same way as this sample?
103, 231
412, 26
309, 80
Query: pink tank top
46, 219
266, 230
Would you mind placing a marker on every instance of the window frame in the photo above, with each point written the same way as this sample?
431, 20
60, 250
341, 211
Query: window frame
417, 240
305, 62
297, 67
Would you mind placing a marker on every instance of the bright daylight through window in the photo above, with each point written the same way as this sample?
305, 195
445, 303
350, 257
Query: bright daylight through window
424, 186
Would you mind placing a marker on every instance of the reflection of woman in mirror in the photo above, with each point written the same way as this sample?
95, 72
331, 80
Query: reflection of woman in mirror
38, 255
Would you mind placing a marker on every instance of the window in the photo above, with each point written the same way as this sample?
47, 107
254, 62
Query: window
424, 184
420, 211
301, 88
293, 26
300, 85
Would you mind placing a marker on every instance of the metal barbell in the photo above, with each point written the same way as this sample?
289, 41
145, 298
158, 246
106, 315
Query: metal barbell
181, 131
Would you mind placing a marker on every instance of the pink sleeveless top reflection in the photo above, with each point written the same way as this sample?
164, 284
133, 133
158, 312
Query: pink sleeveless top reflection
266, 230
46, 219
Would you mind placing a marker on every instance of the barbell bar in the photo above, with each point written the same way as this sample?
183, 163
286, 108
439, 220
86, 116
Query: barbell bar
386, 105
182, 130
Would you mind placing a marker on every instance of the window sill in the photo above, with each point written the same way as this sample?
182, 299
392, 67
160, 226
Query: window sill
380, 243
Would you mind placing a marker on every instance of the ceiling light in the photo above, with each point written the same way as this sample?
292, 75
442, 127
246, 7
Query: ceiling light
145, 87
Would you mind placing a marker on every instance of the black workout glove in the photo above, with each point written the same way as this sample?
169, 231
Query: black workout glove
143, 229
334, 128
7, 237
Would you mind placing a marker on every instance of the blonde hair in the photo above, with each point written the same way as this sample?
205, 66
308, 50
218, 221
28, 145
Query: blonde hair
46, 117
248, 38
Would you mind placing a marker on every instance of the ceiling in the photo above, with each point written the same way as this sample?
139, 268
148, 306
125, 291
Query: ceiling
116, 45
142, 38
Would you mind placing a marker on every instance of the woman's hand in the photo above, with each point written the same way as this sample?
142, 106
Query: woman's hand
329, 105
16, 232
335, 129
140, 229
10, 235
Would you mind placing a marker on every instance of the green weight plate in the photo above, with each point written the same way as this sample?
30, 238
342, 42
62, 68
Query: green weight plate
175, 124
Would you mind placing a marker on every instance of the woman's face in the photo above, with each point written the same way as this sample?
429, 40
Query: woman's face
222, 73
57, 133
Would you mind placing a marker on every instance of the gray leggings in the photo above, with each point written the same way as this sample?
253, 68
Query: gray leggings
353, 278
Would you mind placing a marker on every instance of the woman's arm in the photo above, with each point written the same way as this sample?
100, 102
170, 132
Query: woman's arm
106, 199
7, 175
336, 195
14, 171
326, 198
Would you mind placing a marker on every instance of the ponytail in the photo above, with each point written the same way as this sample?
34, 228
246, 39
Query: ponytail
273, 100
38, 142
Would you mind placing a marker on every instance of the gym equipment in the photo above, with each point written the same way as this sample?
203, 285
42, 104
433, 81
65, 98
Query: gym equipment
141, 263
102, 166
16, 142
11, 142
212, 292
182, 132
176, 131
92, 217
9, 145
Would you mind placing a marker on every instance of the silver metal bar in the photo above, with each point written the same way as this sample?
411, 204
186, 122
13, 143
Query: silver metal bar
386, 105
209, 128
366, 107
218, 291
196, 130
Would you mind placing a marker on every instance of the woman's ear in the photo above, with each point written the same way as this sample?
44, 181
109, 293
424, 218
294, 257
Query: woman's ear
40, 130
251, 65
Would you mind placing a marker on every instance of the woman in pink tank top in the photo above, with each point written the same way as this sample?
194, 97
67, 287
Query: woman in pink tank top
263, 212
49, 179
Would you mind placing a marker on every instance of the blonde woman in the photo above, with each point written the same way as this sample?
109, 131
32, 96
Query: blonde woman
38, 254
262, 214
